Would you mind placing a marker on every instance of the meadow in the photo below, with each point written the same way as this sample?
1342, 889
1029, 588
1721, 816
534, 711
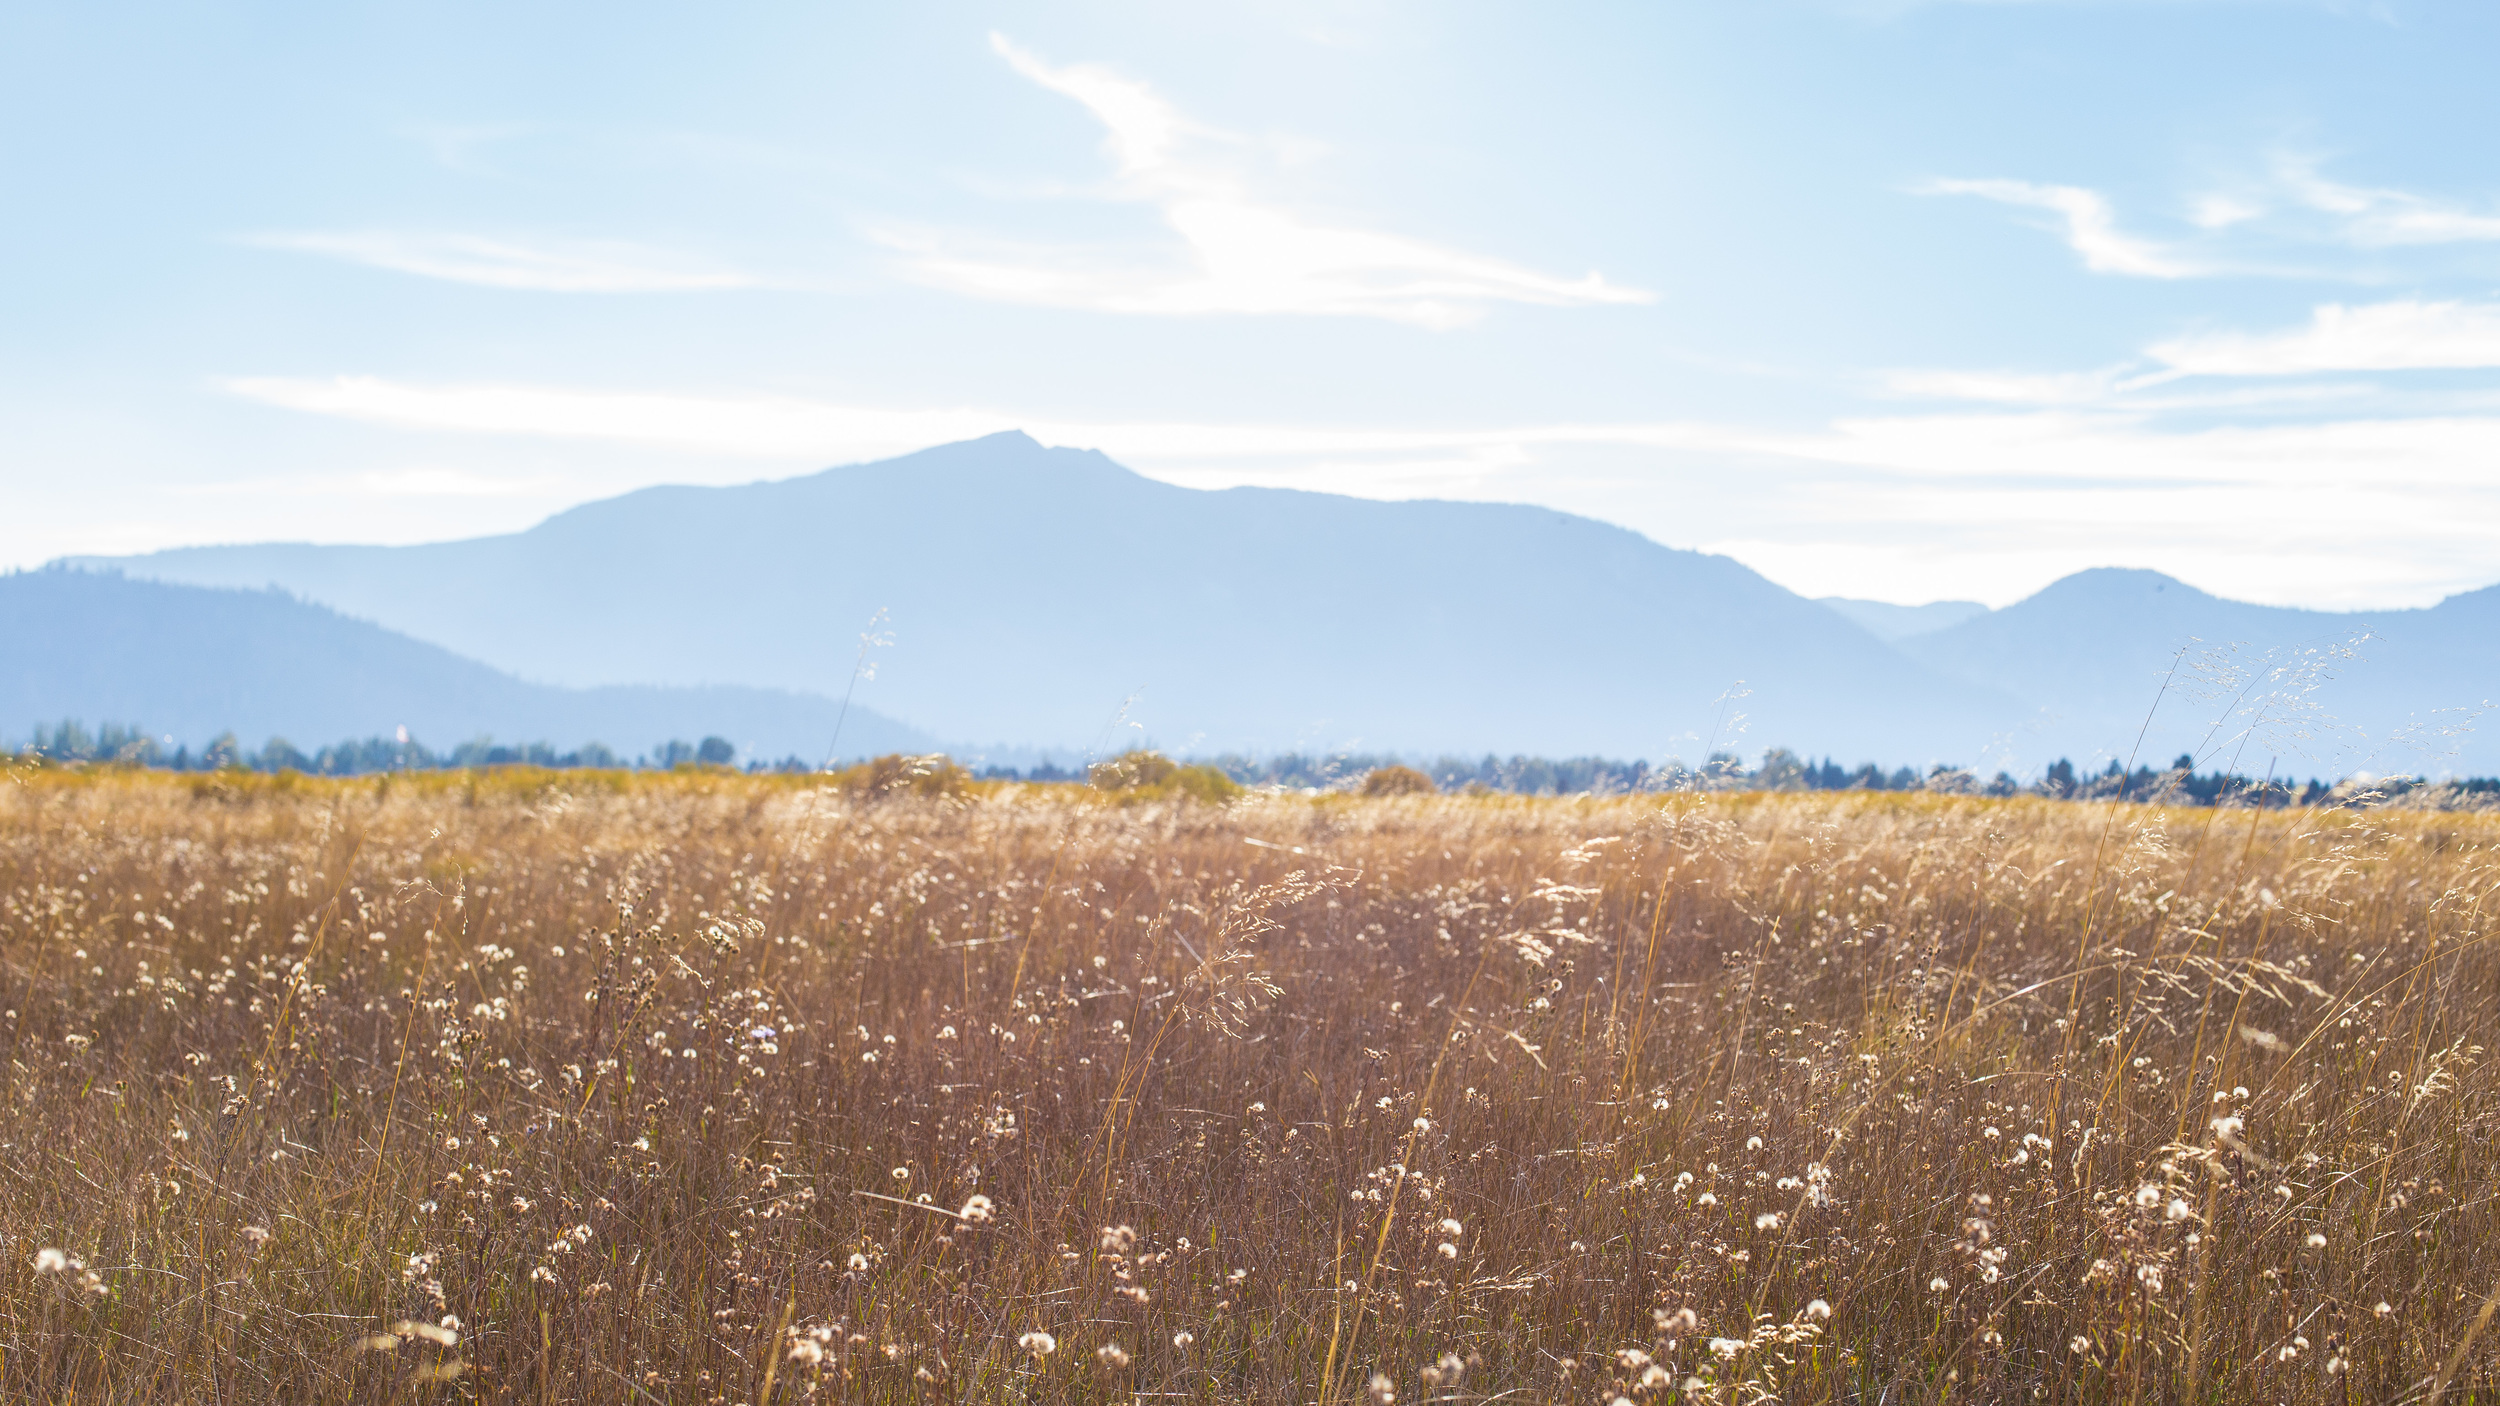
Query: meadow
581, 1087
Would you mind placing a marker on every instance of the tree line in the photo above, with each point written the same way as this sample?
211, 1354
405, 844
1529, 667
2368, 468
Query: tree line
1779, 769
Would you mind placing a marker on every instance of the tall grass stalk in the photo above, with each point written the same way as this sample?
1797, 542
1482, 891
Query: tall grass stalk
696, 1087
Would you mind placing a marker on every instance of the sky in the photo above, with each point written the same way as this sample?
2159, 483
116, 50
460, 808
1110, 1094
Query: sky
1897, 299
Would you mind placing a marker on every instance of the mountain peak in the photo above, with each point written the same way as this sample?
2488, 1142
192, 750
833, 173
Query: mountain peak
2113, 584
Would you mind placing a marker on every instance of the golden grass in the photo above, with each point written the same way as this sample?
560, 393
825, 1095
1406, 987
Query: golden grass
701, 1088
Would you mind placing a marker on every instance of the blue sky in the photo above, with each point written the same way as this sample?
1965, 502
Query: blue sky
1885, 298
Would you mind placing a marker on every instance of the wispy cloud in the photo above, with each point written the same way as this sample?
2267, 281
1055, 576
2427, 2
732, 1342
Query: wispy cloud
2242, 227
537, 266
2404, 334
2089, 224
2382, 217
2065, 445
2394, 336
1237, 253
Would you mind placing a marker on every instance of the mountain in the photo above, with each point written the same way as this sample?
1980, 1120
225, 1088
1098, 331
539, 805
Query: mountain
192, 662
1052, 597
2325, 691
1886, 621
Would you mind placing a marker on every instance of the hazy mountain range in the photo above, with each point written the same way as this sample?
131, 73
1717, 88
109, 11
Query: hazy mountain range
1051, 598
2391, 690
191, 663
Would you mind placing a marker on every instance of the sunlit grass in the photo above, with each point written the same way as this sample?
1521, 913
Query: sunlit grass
695, 1087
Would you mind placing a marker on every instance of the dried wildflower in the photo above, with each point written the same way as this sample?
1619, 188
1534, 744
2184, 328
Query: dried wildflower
1183, 1339
1038, 1343
1111, 1355
1678, 1324
1382, 1391
51, 1261
1819, 1311
977, 1211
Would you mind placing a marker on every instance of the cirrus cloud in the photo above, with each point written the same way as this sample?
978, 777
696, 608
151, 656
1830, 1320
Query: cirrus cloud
2088, 222
1237, 253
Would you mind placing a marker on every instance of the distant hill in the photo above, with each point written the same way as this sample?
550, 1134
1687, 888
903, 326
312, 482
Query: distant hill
2092, 650
192, 663
1052, 597
1887, 621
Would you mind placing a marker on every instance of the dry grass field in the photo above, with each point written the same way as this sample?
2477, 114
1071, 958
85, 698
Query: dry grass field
531, 1087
